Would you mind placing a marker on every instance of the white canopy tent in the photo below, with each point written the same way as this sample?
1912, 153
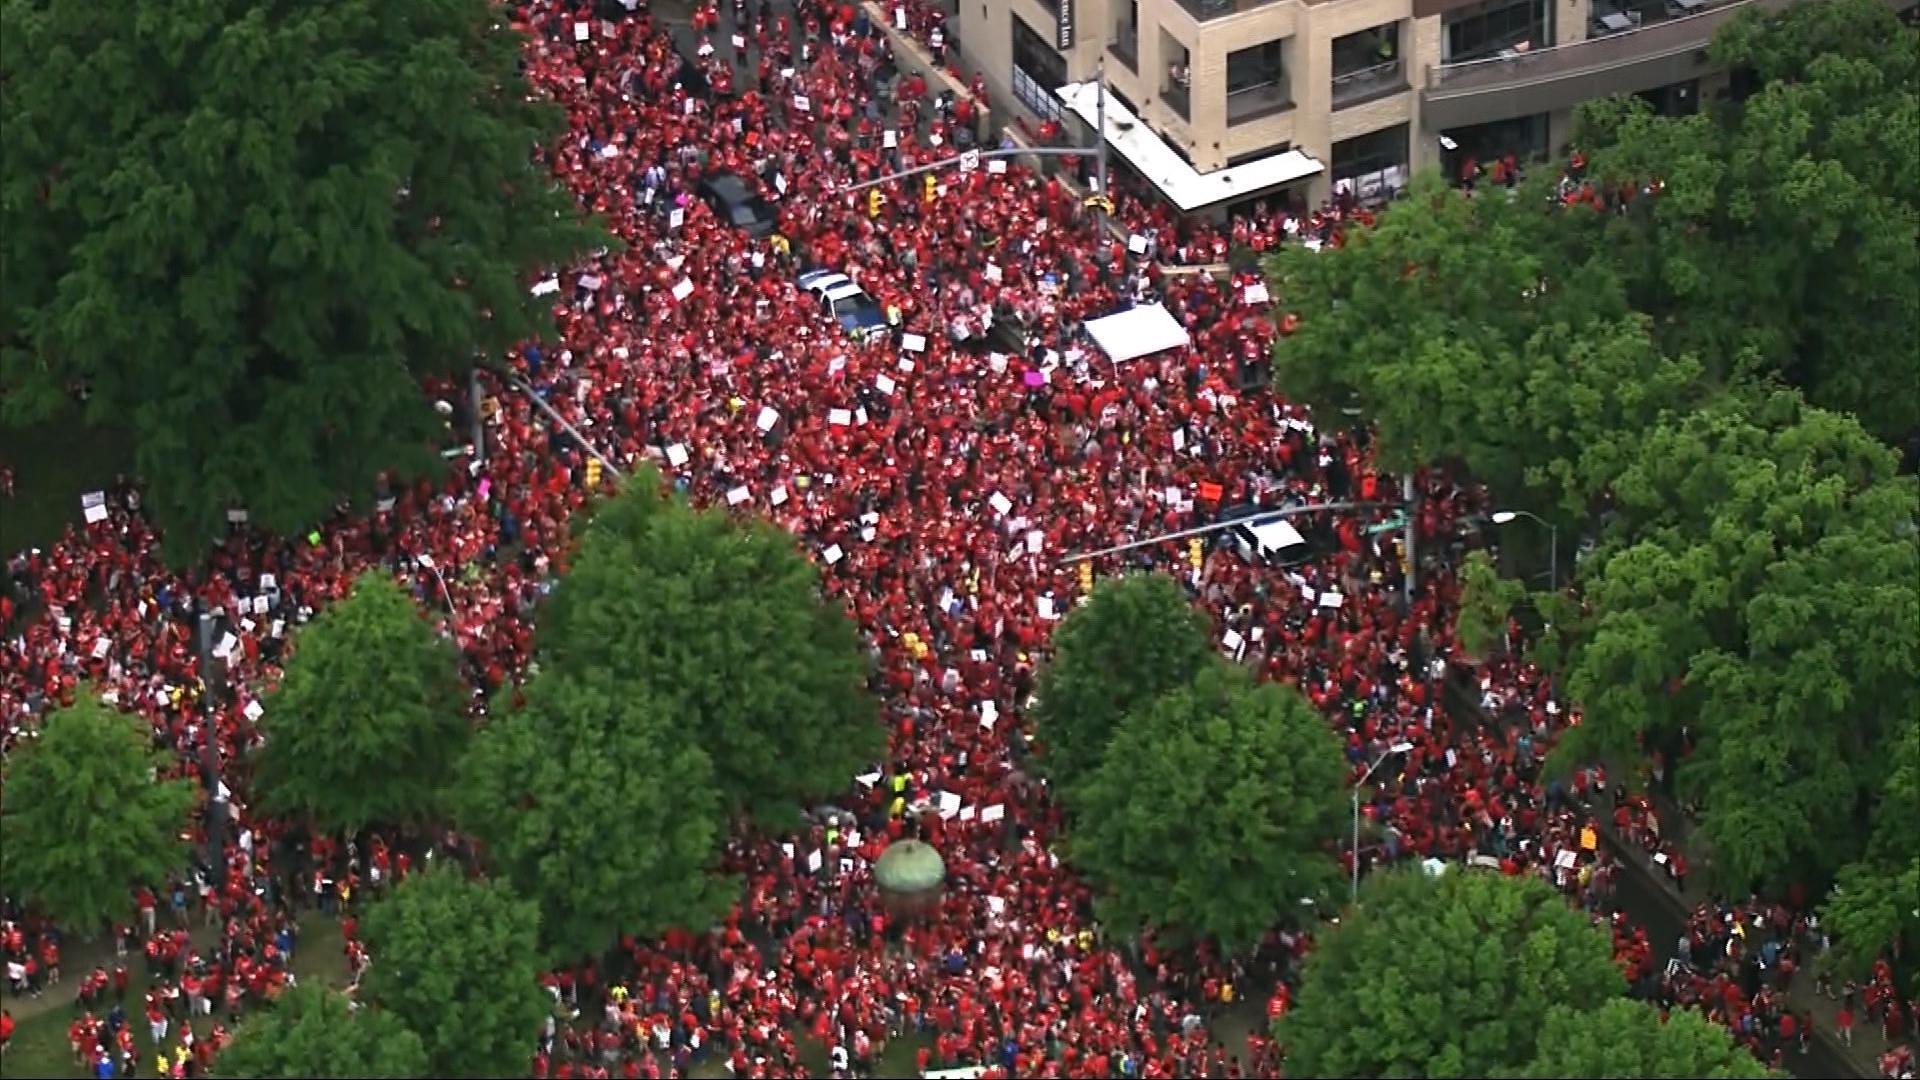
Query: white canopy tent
1138, 331
1155, 160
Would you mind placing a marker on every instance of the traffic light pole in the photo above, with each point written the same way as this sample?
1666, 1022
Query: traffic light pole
1250, 519
989, 155
541, 404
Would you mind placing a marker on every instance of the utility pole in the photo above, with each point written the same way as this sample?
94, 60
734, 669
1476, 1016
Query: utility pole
1100, 141
478, 394
1413, 515
541, 404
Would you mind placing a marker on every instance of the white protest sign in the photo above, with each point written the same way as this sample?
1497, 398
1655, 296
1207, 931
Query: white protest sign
890, 138
767, 419
970, 161
95, 514
813, 862
677, 218
800, 102
1137, 244
1256, 293
1331, 599
839, 417
676, 455
949, 804
996, 167
833, 554
254, 711
1035, 540
546, 287
989, 714
582, 31
778, 497
993, 813
739, 42
884, 383
683, 290
736, 496
913, 342
1000, 503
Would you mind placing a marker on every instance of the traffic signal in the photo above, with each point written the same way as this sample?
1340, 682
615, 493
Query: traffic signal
1196, 553
875, 200
1100, 202
1400, 549
932, 187
1086, 578
593, 473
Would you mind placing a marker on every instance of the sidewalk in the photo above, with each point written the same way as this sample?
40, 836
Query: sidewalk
1868, 1044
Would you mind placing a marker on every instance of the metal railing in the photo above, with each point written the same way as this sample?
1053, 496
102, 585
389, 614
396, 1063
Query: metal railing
1595, 54
1368, 82
1260, 99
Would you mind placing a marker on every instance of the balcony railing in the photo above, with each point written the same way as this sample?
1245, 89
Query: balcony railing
1591, 56
1203, 10
1126, 47
1177, 99
1368, 83
1261, 99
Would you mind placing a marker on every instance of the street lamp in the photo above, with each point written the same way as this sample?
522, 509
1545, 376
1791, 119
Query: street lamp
1502, 517
426, 563
1397, 748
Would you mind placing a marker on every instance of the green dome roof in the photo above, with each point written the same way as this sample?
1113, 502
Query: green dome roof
909, 866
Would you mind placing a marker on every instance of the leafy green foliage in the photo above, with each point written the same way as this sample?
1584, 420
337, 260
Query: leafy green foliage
1486, 602
1628, 1038
1208, 815
1820, 154
1757, 601
314, 1032
540, 786
259, 228
722, 625
1876, 901
1465, 330
1444, 977
1136, 638
370, 717
84, 819
455, 962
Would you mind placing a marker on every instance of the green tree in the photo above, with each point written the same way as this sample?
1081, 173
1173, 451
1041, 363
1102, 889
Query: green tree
370, 717
541, 785
260, 228
314, 1032
1471, 330
1209, 815
1629, 1038
1821, 153
1754, 620
721, 624
84, 818
1486, 602
456, 962
1136, 638
1874, 908
1444, 977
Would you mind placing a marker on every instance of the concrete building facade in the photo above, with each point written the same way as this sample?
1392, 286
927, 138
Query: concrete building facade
1366, 90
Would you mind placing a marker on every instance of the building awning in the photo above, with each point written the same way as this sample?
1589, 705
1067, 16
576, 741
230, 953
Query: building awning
1155, 160
1138, 331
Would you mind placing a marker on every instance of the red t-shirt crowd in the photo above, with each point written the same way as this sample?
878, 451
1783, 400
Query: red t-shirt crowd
937, 481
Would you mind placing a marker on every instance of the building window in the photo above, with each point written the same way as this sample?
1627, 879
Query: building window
1493, 27
1037, 70
1366, 65
1257, 82
1373, 166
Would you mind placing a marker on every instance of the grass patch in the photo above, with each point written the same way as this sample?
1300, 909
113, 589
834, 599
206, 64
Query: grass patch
39, 1047
53, 465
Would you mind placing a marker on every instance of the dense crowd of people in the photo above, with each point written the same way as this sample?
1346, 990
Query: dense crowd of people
937, 473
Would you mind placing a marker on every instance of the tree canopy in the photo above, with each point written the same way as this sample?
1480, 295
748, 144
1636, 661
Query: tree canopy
311, 1031
369, 718
1629, 1038
86, 817
1136, 638
1876, 900
721, 624
1819, 153
601, 808
1465, 330
456, 962
1209, 814
257, 231
1754, 621
1444, 977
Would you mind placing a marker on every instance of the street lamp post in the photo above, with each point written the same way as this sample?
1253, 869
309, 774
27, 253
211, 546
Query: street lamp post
1396, 748
1502, 517
426, 563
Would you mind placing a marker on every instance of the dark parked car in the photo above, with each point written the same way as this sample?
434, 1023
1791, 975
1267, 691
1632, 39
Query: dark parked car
738, 204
